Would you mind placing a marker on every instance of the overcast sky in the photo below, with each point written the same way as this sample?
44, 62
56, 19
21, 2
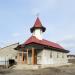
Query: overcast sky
58, 16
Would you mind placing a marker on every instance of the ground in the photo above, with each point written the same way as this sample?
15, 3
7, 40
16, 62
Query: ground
63, 70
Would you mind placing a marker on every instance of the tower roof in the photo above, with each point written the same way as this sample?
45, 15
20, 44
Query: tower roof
38, 25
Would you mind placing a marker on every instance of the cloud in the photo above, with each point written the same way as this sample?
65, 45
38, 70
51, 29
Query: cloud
68, 43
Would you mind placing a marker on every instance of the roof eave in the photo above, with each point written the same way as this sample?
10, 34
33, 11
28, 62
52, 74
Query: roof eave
33, 28
53, 48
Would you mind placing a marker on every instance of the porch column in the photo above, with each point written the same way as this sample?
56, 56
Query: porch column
33, 59
23, 57
18, 57
27, 57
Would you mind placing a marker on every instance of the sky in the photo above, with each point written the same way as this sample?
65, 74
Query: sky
18, 16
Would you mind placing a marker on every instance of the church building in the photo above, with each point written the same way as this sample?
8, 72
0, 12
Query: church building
37, 50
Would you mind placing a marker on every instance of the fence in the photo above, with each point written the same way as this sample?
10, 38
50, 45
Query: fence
4, 62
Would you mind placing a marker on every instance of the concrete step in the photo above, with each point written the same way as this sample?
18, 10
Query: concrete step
25, 67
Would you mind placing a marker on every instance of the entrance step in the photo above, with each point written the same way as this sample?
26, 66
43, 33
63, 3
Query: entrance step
25, 67
34, 67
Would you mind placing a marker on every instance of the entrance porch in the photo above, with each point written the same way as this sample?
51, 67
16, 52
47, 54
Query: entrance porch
27, 57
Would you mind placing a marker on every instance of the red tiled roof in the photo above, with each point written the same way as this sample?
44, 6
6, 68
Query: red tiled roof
37, 23
33, 39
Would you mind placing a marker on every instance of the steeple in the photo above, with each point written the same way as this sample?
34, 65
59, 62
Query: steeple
38, 25
38, 29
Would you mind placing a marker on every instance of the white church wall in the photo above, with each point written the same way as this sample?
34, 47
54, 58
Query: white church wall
60, 57
57, 57
39, 56
38, 34
46, 57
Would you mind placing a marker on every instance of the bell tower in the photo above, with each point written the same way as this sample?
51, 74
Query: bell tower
37, 29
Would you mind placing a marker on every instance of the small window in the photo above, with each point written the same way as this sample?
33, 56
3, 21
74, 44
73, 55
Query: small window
15, 57
62, 55
50, 54
57, 55
38, 58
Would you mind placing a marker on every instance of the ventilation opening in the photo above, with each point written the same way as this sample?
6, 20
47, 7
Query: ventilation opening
11, 62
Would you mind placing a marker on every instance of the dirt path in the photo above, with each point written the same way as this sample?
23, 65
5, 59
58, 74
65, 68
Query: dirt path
64, 70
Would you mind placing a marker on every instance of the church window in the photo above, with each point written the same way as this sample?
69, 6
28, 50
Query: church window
62, 55
15, 57
50, 54
57, 55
